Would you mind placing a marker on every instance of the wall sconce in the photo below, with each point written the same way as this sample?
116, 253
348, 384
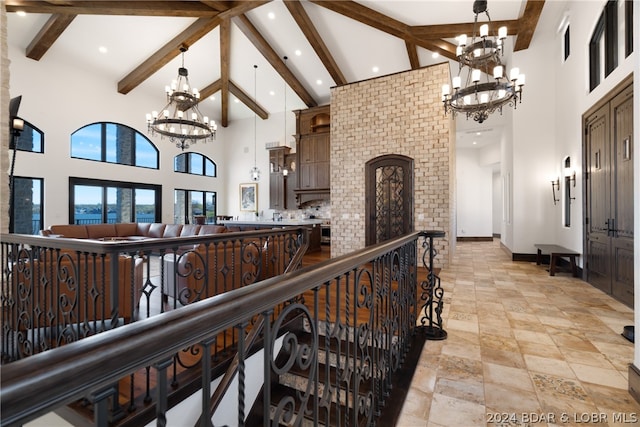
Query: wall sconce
285, 172
555, 185
573, 178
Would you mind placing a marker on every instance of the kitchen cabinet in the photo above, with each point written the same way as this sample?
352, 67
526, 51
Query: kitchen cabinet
281, 185
313, 149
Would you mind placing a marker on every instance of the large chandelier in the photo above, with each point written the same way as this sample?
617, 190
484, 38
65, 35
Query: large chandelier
480, 96
180, 120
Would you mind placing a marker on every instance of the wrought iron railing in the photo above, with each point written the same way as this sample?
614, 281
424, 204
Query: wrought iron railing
337, 331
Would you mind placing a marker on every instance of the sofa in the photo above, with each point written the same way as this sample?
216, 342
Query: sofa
131, 230
203, 270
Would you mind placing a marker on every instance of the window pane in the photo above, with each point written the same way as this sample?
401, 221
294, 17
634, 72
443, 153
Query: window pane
119, 201
210, 207
179, 206
85, 143
27, 205
195, 164
30, 139
196, 205
145, 205
87, 204
210, 168
146, 153
111, 146
180, 163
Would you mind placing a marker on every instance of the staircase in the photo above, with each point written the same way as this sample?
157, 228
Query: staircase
349, 376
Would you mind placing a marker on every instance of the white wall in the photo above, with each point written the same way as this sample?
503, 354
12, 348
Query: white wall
474, 188
84, 97
496, 203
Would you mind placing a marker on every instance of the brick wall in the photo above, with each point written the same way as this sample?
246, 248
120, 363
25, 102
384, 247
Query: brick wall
396, 114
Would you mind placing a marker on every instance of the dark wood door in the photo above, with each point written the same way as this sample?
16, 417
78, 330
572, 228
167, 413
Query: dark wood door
389, 198
609, 197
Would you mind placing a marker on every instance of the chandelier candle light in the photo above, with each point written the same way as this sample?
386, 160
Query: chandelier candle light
181, 120
478, 99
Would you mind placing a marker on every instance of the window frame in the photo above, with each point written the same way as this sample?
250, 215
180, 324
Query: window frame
189, 160
104, 145
12, 211
105, 184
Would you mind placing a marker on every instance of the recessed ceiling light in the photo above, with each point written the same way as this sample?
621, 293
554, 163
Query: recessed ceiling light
435, 55
21, 13
298, 52
478, 133
271, 15
318, 82
375, 69
236, 100
271, 93
474, 143
102, 49
213, 98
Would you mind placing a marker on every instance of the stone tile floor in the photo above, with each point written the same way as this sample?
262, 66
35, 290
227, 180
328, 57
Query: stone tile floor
523, 349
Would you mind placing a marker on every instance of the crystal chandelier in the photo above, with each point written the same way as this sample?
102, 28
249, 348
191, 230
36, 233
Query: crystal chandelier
254, 173
180, 120
481, 97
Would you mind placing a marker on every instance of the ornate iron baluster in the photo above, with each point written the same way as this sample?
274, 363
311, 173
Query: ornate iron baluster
432, 292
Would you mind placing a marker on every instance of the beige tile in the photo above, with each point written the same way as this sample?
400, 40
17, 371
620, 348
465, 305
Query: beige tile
595, 375
510, 377
449, 411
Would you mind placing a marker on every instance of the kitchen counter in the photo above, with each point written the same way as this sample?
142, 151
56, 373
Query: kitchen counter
272, 223
313, 224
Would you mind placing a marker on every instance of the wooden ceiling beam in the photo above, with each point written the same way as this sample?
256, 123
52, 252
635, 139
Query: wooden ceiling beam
386, 24
450, 31
175, 8
210, 89
248, 101
527, 23
254, 36
47, 35
166, 53
309, 30
225, 52
412, 52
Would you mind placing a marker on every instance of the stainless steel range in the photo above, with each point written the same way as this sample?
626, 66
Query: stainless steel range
325, 232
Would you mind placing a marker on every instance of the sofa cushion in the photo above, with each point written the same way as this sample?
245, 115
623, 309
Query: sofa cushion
211, 229
156, 230
189, 230
127, 229
71, 231
96, 231
142, 229
172, 230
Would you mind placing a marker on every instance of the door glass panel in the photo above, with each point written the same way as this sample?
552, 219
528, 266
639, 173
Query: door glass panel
87, 204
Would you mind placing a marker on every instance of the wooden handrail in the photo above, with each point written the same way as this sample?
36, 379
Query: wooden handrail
101, 360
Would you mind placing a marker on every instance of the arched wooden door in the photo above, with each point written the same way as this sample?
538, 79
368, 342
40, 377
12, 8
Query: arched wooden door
389, 197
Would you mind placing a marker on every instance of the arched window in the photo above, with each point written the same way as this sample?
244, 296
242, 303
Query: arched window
114, 143
30, 139
195, 164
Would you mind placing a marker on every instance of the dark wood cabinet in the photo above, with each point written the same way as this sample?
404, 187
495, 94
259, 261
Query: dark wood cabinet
313, 151
282, 184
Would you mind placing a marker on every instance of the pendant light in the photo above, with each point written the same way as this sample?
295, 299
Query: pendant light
255, 172
285, 170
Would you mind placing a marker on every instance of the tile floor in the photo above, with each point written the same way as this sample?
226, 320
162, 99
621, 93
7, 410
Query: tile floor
523, 349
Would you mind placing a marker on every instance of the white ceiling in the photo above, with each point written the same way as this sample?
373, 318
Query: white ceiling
356, 48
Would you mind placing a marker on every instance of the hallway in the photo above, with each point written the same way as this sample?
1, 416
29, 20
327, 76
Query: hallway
522, 344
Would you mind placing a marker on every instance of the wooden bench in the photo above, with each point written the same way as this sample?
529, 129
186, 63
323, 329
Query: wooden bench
556, 252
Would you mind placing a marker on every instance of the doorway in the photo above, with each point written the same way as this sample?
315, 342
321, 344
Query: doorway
608, 221
389, 198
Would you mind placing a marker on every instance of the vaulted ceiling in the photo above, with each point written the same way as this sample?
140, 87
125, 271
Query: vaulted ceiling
325, 43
